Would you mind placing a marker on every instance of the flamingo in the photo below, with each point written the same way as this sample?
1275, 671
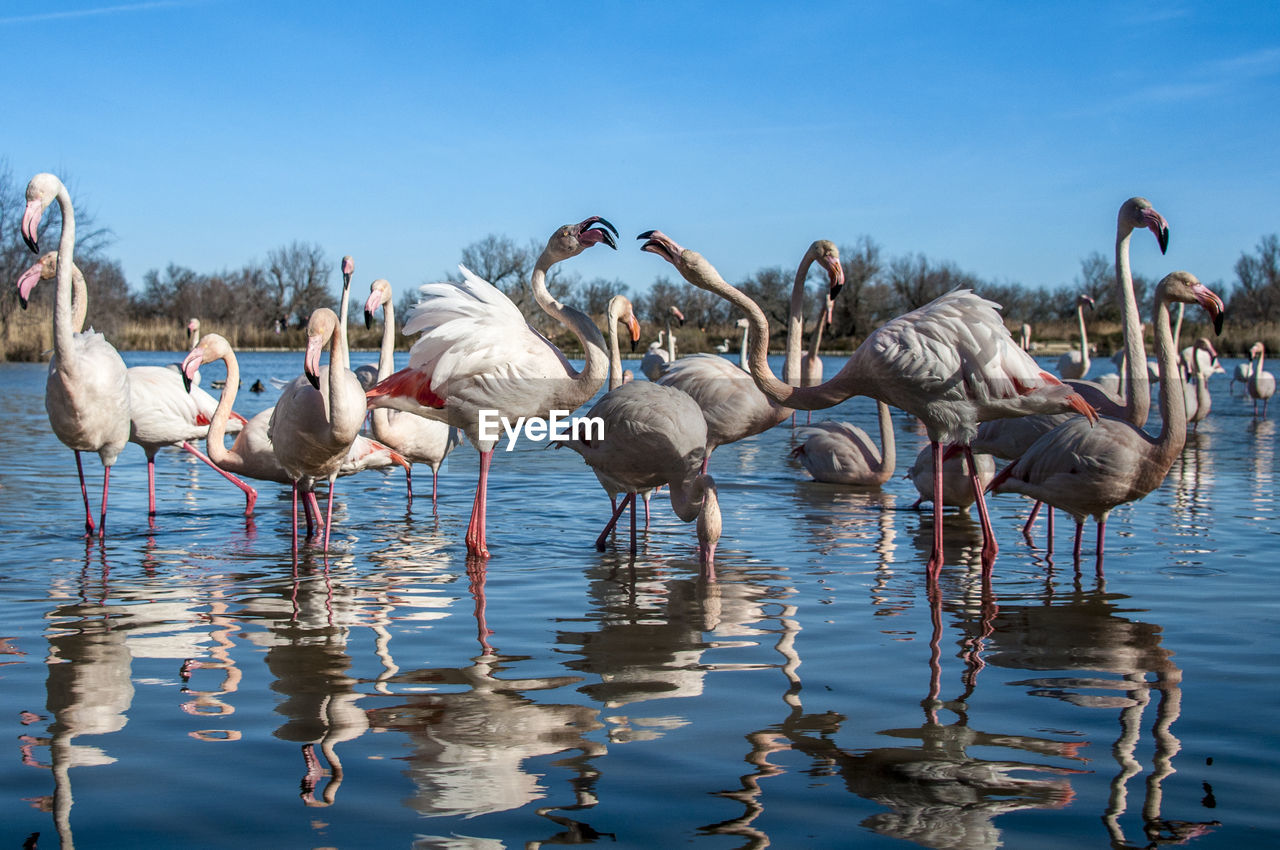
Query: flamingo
1261, 384
251, 455
952, 363
811, 362
657, 359
734, 408
312, 430
1090, 471
87, 391
193, 332
957, 480
1009, 438
1024, 338
1075, 364
1200, 362
417, 439
477, 353
1240, 374
842, 453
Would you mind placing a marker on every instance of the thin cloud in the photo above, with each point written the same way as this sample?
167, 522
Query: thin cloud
102, 10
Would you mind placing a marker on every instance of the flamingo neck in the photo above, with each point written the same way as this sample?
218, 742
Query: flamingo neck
795, 322
1254, 379
341, 410
888, 444
595, 367
1137, 384
671, 342
215, 442
815, 341
695, 269
742, 352
63, 312
386, 354
1173, 406
1084, 339
615, 355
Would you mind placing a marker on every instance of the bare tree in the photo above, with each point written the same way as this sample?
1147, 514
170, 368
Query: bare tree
298, 276
863, 299
1257, 292
916, 281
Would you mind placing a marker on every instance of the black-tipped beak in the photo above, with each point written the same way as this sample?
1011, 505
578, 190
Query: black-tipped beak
1163, 238
22, 301
633, 344
1217, 323
31, 243
835, 290
648, 234
186, 383
314, 380
368, 320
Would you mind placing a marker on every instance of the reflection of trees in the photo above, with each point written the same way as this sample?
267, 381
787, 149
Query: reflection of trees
1084, 632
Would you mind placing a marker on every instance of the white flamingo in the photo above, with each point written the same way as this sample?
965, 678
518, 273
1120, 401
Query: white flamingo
1075, 364
811, 362
311, 430
657, 358
951, 363
251, 455
1261, 384
1089, 471
416, 438
731, 403
1199, 362
842, 453
87, 391
1009, 438
477, 353
1240, 374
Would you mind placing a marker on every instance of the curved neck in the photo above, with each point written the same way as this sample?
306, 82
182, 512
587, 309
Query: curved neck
888, 444
615, 355
1173, 406
215, 443
1084, 338
1177, 325
1137, 398
687, 497
671, 341
62, 308
815, 341
1257, 370
595, 367
742, 352
795, 322
340, 408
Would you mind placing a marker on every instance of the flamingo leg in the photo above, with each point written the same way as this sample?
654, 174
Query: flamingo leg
250, 494
84, 491
1031, 520
151, 486
1075, 550
106, 485
934, 566
328, 514
633, 523
294, 514
1049, 531
476, 544
990, 547
646, 509
408, 484
1102, 533
435, 481
808, 417
617, 512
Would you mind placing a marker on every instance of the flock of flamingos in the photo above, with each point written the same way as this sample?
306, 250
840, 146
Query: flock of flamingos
1071, 444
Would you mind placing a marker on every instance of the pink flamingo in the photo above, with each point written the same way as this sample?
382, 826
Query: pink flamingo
734, 408
952, 363
416, 438
1075, 364
477, 353
1261, 385
1090, 471
312, 430
842, 453
87, 391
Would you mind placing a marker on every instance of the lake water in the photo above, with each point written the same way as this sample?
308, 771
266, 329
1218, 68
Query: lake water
814, 695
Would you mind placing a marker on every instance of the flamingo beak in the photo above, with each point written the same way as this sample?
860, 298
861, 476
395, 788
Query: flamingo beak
590, 234
634, 327
371, 306
1157, 225
661, 244
679, 316
190, 365
835, 274
26, 283
311, 361
1213, 304
31, 224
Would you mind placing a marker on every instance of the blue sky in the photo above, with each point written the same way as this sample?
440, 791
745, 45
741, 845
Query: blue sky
1000, 136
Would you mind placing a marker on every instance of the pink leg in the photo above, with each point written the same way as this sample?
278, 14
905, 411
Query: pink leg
990, 547
250, 494
646, 509
408, 484
1049, 531
106, 485
151, 485
808, 417
633, 523
1075, 550
1031, 521
294, 513
617, 512
1102, 533
328, 514
84, 492
476, 543
934, 566
313, 513
435, 482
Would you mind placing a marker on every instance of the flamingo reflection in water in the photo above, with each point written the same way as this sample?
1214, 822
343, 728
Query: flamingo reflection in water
938, 794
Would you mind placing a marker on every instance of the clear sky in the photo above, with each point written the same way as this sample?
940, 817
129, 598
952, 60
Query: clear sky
1000, 136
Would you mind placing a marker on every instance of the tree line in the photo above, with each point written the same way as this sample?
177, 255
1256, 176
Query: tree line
273, 296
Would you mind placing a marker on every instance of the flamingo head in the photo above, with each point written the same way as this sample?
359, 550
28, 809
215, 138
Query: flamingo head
1138, 212
1185, 287
1256, 349
348, 269
41, 191
621, 310
199, 354
657, 242
1084, 300
825, 253
320, 329
675, 311
42, 269
379, 294
570, 240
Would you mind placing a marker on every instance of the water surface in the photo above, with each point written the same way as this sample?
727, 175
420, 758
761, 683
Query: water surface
187, 685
